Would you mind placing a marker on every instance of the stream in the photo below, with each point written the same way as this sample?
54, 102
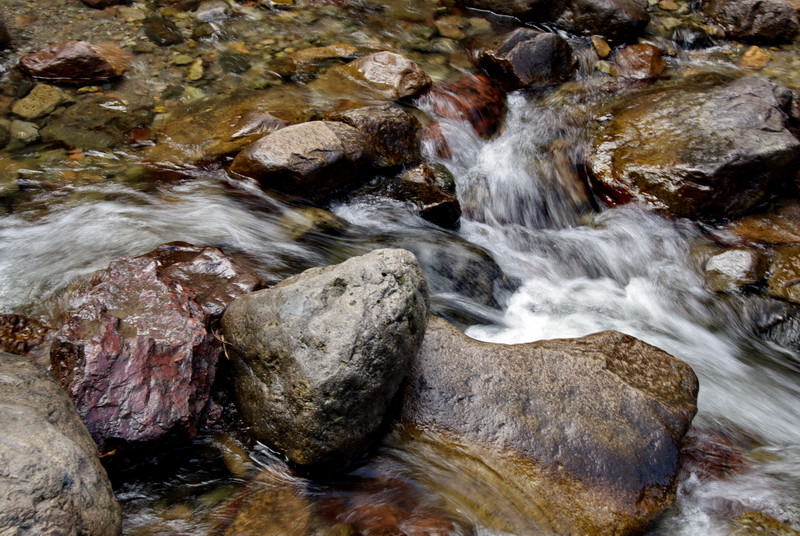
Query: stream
573, 269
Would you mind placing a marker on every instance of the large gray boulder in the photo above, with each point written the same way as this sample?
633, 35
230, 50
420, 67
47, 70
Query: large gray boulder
704, 148
614, 19
577, 436
51, 480
318, 357
762, 21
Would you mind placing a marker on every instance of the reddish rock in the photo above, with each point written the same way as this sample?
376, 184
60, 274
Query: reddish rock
640, 62
433, 137
136, 352
710, 456
392, 135
77, 62
473, 99
19, 334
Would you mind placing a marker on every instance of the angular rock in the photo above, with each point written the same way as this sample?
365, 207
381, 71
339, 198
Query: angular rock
77, 62
640, 61
97, 122
527, 58
162, 31
378, 76
318, 357
209, 129
392, 135
19, 334
575, 436
715, 148
618, 20
762, 21
136, 350
52, 480
41, 100
309, 160
473, 99
734, 269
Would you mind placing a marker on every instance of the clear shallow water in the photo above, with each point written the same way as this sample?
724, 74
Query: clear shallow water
578, 271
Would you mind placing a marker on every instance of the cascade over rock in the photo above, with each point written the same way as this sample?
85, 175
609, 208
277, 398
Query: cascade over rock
51, 480
318, 357
572, 436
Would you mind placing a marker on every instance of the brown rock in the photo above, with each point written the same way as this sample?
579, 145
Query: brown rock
102, 4
784, 274
135, 352
710, 456
378, 76
310, 160
77, 62
473, 99
417, 187
392, 135
760, 524
640, 62
600, 47
19, 334
5, 37
573, 436
755, 58
779, 227
761, 21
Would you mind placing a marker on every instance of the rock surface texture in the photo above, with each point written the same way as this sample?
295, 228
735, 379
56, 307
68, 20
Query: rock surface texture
318, 357
576, 436
136, 352
706, 148
763, 21
77, 62
51, 480
308, 160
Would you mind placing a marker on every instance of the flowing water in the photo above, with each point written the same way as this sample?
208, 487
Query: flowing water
574, 269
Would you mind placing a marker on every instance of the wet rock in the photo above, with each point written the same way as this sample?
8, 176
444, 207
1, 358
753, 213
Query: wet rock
777, 227
763, 21
307, 62
135, 350
760, 524
53, 483
304, 222
20, 334
209, 129
709, 456
162, 31
417, 186
778, 321
692, 37
77, 62
589, 446
735, 269
755, 58
5, 37
309, 160
318, 357
618, 20
527, 58
5, 134
601, 47
715, 148
41, 100
392, 135
378, 76
640, 62
212, 11
473, 99
102, 4
783, 280
96, 122
24, 131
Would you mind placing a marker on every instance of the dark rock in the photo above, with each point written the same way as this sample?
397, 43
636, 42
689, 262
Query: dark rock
473, 99
618, 20
318, 357
5, 134
162, 31
77, 62
710, 456
209, 129
417, 186
5, 37
309, 160
639, 62
102, 4
715, 148
136, 352
763, 21
527, 58
20, 335
96, 122
52, 480
576, 436
392, 135
378, 76
735, 269
692, 38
